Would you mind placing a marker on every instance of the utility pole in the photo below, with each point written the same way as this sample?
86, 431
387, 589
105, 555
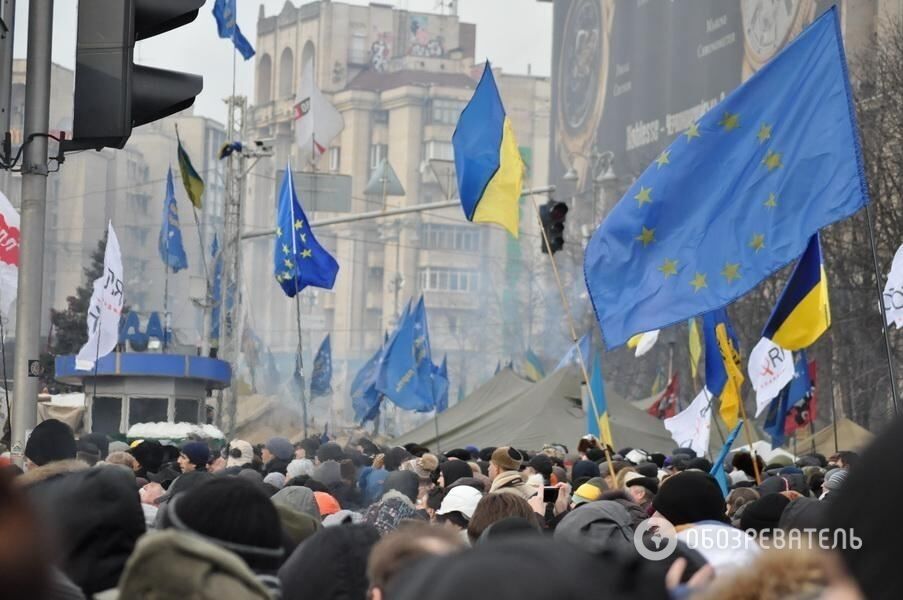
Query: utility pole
33, 212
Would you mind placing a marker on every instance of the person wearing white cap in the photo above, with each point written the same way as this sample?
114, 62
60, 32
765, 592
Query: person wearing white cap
458, 507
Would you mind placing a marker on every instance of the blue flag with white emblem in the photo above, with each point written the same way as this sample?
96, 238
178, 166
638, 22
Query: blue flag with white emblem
405, 375
298, 259
321, 377
440, 385
736, 196
172, 252
224, 13
365, 399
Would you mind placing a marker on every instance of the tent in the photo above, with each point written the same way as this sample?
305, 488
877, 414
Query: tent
850, 436
510, 410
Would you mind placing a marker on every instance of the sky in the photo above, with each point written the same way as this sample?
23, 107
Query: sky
195, 48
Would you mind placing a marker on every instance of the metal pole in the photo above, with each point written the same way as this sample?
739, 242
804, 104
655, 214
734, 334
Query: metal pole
887, 348
376, 214
6, 65
33, 212
300, 362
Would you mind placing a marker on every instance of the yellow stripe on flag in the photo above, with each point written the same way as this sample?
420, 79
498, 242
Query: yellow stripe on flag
808, 320
730, 395
695, 347
499, 203
605, 429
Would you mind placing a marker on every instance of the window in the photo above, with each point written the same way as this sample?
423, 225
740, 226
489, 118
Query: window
381, 116
359, 53
264, 79
451, 237
187, 410
446, 111
335, 159
377, 153
438, 151
286, 74
449, 280
106, 414
148, 410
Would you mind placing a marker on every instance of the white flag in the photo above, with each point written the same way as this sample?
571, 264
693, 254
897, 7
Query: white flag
105, 307
770, 369
317, 122
9, 255
647, 341
691, 427
893, 291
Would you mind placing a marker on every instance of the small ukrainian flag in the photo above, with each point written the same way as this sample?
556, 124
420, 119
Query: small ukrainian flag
487, 161
194, 185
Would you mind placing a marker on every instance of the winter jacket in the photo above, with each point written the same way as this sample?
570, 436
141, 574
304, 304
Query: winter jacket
276, 465
370, 481
597, 527
512, 482
172, 564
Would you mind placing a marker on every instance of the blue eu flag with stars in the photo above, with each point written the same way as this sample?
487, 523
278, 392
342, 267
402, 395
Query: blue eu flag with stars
736, 196
405, 373
321, 378
298, 259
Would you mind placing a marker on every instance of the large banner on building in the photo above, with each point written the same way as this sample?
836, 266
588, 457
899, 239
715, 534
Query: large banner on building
629, 75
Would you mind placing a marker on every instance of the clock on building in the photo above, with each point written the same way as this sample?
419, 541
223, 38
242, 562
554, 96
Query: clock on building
768, 25
583, 74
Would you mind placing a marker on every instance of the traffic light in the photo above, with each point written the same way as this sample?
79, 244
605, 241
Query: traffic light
112, 94
551, 216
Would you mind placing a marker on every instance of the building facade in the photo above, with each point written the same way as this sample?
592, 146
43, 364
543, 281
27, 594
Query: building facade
400, 79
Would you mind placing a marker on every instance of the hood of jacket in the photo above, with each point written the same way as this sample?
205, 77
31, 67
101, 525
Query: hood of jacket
512, 482
51, 470
597, 527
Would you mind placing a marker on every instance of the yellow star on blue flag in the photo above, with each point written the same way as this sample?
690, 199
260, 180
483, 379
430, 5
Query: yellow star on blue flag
299, 260
743, 191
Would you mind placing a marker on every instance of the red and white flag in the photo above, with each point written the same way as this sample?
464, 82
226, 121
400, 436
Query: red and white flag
317, 122
9, 254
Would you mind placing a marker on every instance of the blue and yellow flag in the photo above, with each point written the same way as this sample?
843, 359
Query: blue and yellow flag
169, 243
298, 259
194, 185
597, 419
533, 369
487, 162
803, 313
723, 376
736, 196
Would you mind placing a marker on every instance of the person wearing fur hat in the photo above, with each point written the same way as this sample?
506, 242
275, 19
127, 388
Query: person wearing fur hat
504, 471
276, 455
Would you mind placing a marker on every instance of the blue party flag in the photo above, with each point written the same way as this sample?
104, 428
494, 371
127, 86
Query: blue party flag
401, 375
224, 13
216, 292
736, 196
572, 356
797, 392
321, 377
298, 259
718, 465
440, 385
169, 244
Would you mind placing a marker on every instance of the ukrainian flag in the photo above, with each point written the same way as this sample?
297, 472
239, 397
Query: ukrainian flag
487, 162
723, 377
802, 314
533, 366
194, 185
597, 422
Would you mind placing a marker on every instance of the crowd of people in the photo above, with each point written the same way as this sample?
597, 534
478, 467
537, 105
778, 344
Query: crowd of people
95, 518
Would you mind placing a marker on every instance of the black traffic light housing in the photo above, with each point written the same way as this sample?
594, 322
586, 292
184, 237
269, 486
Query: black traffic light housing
552, 215
112, 94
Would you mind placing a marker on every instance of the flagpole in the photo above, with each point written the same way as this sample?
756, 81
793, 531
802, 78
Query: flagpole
300, 361
165, 295
887, 348
749, 440
573, 329
711, 400
5, 379
436, 421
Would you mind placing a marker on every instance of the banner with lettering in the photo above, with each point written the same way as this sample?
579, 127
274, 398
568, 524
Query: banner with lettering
9, 254
105, 307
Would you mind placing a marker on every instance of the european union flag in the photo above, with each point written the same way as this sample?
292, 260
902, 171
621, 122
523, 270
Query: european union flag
365, 400
298, 259
216, 292
796, 392
405, 375
169, 244
440, 385
224, 13
736, 196
321, 377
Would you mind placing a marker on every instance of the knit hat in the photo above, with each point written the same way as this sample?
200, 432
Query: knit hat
690, 497
453, 470
327, 503
405, 482
297, 525
507, 458
98, 439
647, 469
343, 517
395, 457
330, 451
388, 514
423, 467
234, 514
117, 446
586, 493
462, 499
459, 453
50, 441
275, 479
281, 448
328, 473
804, 513
764, 514
834, 479
584, 469
198, 453
298, 498
299, 467
149, 454
241, 453
542, 464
